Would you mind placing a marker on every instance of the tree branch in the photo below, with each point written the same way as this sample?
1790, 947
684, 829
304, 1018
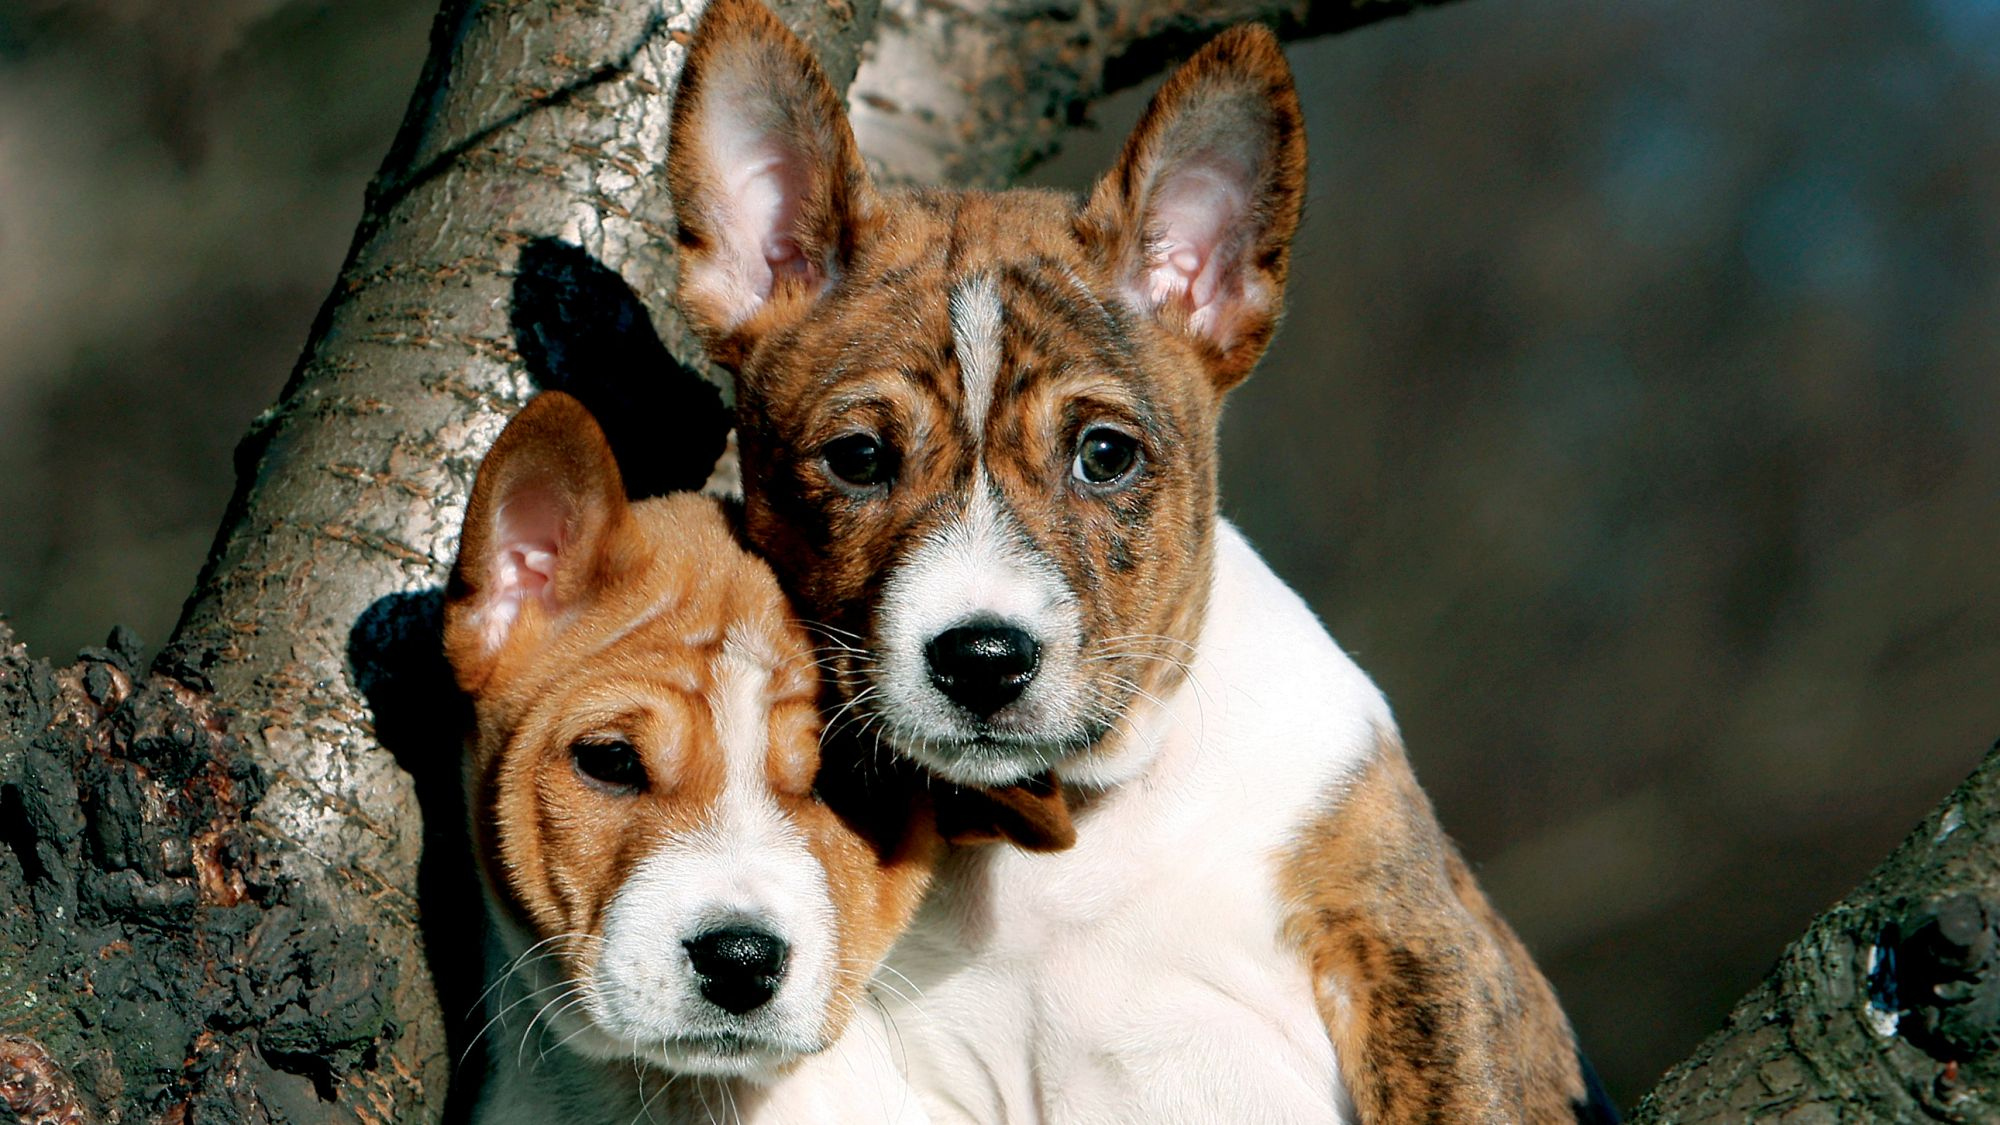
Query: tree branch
970, 94
1886, 1009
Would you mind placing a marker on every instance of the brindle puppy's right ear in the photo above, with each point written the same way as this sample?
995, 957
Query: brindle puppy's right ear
768, 187
1195, 223
540, 536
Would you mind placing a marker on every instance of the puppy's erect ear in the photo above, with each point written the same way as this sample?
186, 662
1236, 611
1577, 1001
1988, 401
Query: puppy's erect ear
540, 531
1196, 220
768, 186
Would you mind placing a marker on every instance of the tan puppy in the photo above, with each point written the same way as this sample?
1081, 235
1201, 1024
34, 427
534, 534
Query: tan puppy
674, 908
978, 434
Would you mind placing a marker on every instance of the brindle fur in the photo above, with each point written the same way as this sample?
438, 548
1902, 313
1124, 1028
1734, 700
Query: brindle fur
1435, 1009
1069, 358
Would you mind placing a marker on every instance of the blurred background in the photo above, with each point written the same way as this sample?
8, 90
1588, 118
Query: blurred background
1634, 423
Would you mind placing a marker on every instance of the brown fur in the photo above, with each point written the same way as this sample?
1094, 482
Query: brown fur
556, 849
741, 44
863, 339
1436, 1010
1239, 79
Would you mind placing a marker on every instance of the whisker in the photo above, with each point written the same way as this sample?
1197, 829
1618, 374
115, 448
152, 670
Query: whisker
887, 968
500, 1016
523, 960
834, 724
582, 998
521, 1052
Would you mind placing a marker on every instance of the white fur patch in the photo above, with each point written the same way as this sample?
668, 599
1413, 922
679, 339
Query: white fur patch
975, 337
746, 864
979, 566
1142, 974
740, 704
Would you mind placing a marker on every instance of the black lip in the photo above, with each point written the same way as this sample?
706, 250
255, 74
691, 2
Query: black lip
726, 1043
989, 743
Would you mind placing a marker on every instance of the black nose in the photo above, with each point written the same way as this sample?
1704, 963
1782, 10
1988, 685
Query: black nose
738, 967
982, 667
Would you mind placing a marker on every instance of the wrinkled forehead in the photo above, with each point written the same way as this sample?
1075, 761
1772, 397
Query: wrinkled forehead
965, 307
739, 702
712, 701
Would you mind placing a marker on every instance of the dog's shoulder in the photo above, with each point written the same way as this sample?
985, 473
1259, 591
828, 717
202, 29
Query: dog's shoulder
1431, 1000
1434, 1005
1296, 709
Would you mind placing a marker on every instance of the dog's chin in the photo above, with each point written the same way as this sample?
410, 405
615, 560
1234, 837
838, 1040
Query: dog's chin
987, 759
724, 1056
708, 1055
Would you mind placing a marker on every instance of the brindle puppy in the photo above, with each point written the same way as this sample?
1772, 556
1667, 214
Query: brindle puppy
978, 434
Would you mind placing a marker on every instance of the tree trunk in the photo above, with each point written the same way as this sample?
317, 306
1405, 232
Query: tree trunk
214, 875
516, 238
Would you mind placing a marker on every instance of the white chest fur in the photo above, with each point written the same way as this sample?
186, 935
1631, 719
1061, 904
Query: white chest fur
1141, 976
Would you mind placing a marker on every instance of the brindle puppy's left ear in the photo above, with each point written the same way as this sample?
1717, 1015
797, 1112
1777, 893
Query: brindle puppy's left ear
768, 186
1195, 223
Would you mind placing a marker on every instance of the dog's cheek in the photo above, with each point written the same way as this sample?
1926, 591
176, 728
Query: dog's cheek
1128, 549
867, 914
556, 854
1150, 557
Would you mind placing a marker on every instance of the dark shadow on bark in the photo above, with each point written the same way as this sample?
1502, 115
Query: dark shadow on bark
581, 329
396, 652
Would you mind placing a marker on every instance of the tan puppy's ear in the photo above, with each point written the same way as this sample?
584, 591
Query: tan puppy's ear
545, 514
1196, 220
768, 187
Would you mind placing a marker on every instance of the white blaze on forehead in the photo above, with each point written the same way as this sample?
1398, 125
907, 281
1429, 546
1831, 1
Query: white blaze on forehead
747, 864
740, 702
975, 339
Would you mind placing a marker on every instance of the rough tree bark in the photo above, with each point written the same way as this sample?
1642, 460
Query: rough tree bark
213, 874
1886, 1009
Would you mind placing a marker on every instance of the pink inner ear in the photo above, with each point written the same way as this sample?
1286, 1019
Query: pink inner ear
528, 571
530, 531
1195, 217
763, 176
764, 190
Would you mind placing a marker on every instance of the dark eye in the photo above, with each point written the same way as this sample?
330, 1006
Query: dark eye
862, 460
609, 764
1105, 456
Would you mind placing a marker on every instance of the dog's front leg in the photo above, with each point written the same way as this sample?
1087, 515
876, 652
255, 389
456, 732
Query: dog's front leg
1435, 1010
